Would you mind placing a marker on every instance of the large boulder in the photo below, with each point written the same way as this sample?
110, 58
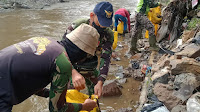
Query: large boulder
190, 50
165, 95
185, 65
186, 79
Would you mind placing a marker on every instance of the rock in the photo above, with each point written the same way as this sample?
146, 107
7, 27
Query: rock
184, 92
125, 110
111, 89
186, 79
179, 108
166, 96
161, 76
187, 34
191, 51
196, 40
185, 65
162, 62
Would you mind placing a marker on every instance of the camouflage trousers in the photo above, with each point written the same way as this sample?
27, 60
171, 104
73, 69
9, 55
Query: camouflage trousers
142, 22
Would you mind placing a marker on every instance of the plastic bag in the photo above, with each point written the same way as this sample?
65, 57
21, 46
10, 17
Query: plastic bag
193, 103
155, 107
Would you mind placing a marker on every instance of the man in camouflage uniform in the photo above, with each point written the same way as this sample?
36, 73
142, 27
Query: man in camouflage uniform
28, 66
141, 22
101, 19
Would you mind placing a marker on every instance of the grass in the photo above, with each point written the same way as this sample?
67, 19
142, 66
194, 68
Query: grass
193, 23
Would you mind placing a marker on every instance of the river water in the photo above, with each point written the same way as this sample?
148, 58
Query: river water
22, 24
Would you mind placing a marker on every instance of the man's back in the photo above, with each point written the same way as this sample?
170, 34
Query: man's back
27, 67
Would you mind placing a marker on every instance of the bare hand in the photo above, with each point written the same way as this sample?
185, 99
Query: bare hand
98, 89
78, 80
89, 104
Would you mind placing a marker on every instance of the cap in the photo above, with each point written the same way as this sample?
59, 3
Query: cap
104, 12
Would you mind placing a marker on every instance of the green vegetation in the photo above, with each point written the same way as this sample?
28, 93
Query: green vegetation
193, 23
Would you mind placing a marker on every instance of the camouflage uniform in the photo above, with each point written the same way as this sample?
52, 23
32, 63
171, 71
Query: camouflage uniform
141, 22
29, 66
58, 87
105, 47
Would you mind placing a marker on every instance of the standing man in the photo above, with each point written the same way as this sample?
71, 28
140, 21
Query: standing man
123, 15
100, 19
141, 22
29, 66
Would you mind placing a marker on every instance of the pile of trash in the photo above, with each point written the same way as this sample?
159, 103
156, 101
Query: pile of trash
171, 82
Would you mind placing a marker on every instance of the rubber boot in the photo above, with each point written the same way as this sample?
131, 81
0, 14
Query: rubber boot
152, 43
133, 49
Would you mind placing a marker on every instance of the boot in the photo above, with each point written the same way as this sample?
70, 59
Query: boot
133, 49
152, 43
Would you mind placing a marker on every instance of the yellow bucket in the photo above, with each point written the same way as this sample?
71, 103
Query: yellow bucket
74, 96
115, 39
120, 27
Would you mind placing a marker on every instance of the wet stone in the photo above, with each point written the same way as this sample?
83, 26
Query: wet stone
111, 89
166, 96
